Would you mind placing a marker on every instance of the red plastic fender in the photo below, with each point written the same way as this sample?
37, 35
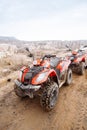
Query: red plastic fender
47, 74
23, 72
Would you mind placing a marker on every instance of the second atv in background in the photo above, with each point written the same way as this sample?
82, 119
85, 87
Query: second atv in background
78, 59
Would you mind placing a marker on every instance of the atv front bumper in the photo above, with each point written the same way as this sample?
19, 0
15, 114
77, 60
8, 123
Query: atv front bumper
74, 64
75, 67
27, 89
24, 87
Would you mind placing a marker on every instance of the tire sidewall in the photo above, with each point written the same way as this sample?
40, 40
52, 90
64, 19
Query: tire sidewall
82, 68
69, 77
56, 96
46, 97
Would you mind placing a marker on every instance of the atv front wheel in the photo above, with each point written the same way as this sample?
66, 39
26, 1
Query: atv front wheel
49, 96
81, 68
69, 77
19, 92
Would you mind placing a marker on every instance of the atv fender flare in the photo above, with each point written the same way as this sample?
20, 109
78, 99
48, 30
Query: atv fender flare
54, 73
50, 73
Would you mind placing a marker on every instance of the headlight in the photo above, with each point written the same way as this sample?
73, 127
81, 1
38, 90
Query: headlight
20, 75
41, 77
35, 62
72, 58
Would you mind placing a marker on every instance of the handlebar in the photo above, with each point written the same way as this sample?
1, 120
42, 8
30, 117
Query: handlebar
48, 56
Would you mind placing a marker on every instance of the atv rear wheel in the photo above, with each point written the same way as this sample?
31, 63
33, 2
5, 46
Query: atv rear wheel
81, 68
69, 77
49, 96
19, 92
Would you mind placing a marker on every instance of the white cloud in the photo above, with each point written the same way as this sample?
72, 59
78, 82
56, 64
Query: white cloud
68, 25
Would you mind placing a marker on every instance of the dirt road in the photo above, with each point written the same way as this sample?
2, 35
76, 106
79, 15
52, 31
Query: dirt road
70, 112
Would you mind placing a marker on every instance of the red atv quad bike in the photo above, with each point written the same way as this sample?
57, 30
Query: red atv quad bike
78, 60
44, 78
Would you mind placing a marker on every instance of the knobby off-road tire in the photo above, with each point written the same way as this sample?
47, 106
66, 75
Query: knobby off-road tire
49, 96
86, 63
69, 77
18, 91
81, 68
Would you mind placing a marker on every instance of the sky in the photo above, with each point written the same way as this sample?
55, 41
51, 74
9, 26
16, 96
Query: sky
34, 20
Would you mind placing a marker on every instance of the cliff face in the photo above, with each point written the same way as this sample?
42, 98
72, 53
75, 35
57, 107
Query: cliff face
5, 38
43, 44
9, 46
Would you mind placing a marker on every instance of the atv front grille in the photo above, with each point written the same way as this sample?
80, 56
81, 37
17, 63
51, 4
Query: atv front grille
32, 72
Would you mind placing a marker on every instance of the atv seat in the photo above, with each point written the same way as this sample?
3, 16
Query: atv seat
54, 61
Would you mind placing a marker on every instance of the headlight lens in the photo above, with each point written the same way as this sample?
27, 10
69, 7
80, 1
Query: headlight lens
20, 75
35, 62
41, 77
72, 58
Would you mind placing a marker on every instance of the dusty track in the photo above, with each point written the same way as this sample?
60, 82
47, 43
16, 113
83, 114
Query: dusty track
70, 112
